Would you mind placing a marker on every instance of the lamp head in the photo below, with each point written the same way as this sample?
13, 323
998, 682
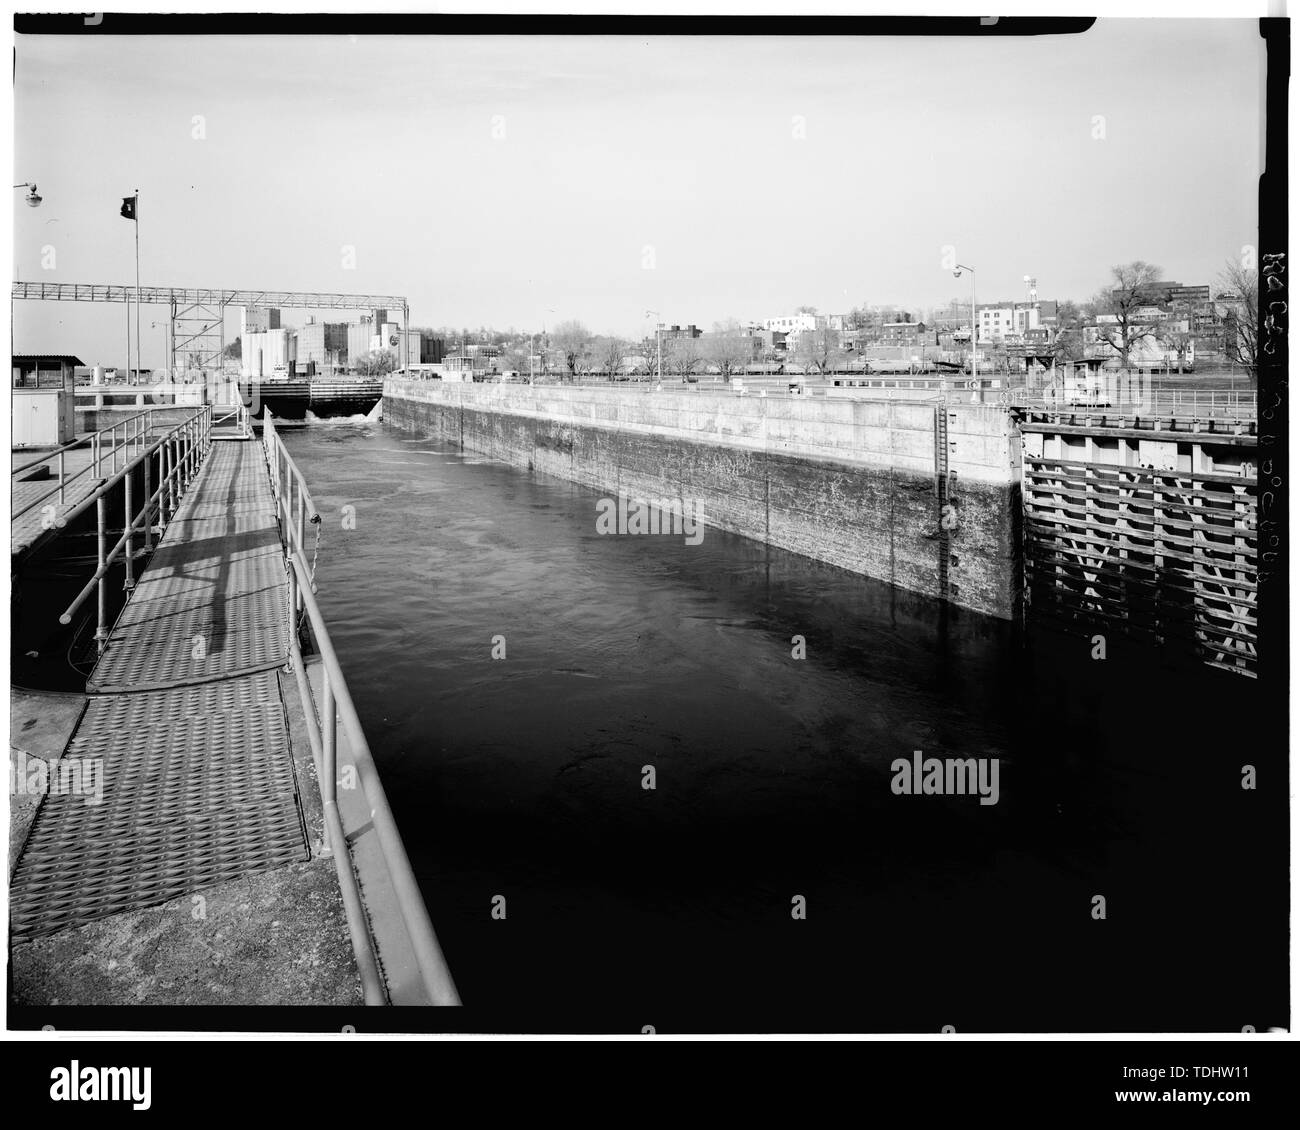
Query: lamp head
957, 273
33, 199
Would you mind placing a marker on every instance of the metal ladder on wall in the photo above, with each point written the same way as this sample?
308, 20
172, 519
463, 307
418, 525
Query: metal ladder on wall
943, 491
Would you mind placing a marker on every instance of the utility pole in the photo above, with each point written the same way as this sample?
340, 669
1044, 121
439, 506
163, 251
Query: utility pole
659, 349
957, 274
137, 287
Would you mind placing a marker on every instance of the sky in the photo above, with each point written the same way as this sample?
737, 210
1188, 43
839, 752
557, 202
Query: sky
518, 182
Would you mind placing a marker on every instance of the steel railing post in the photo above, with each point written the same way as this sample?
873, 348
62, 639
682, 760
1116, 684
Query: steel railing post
60, 478
293, 599
147, 509
171, 478
130, 536
302, 522
101, 514
329, 739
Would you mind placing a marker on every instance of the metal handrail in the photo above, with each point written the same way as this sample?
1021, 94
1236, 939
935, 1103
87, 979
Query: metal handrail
130, 438
337, 706
180, 453
237, 412
79, 441
1202, 403
283, 480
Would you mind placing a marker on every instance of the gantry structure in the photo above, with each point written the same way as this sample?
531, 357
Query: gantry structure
198, 314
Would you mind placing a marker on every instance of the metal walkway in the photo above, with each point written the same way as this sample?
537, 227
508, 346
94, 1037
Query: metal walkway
197, 780
213, 602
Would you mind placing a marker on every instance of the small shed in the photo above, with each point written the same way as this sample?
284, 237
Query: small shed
44, 399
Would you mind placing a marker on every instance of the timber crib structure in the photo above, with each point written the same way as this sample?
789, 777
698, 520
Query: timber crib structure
1145, 526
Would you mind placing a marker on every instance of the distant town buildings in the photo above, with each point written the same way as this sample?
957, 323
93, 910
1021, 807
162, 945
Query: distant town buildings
791, 323
1172, 294
1182, 322
906, 333
1006, 321
270, 349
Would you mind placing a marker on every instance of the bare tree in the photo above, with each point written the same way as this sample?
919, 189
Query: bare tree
572, 339
608, 354
820, 348
681, 355
515, 358
1068, 343
1241, 314
1178, 333
730, 351
375, 364
1123, 300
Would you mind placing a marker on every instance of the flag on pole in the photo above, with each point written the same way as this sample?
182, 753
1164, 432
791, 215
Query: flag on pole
128, 207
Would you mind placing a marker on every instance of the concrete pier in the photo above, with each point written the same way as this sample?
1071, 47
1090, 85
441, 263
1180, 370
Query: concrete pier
862, 484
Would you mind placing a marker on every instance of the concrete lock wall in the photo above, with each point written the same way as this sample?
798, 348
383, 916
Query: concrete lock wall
849, 482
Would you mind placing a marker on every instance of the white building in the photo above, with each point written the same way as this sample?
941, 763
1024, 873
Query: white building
1007, 321
791, 323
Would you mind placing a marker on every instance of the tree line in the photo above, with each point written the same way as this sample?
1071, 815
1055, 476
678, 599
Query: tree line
1117, 312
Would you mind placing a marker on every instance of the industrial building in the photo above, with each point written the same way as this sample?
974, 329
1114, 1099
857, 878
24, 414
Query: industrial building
323, 345
269, 349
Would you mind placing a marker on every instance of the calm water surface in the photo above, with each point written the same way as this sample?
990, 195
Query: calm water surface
626, 907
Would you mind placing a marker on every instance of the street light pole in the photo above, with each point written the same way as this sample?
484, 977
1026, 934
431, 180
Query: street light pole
137, 288
33, 198
33, 201
957, 274
659, 349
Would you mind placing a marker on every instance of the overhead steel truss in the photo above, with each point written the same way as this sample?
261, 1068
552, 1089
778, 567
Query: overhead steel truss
192, 296
198, 314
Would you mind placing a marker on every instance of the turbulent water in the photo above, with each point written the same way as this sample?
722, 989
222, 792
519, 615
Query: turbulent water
772, 880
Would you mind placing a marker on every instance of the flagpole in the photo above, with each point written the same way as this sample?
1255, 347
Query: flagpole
137, 285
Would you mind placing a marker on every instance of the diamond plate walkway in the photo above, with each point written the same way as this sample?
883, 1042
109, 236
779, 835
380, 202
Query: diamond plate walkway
198, 785
213, 601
